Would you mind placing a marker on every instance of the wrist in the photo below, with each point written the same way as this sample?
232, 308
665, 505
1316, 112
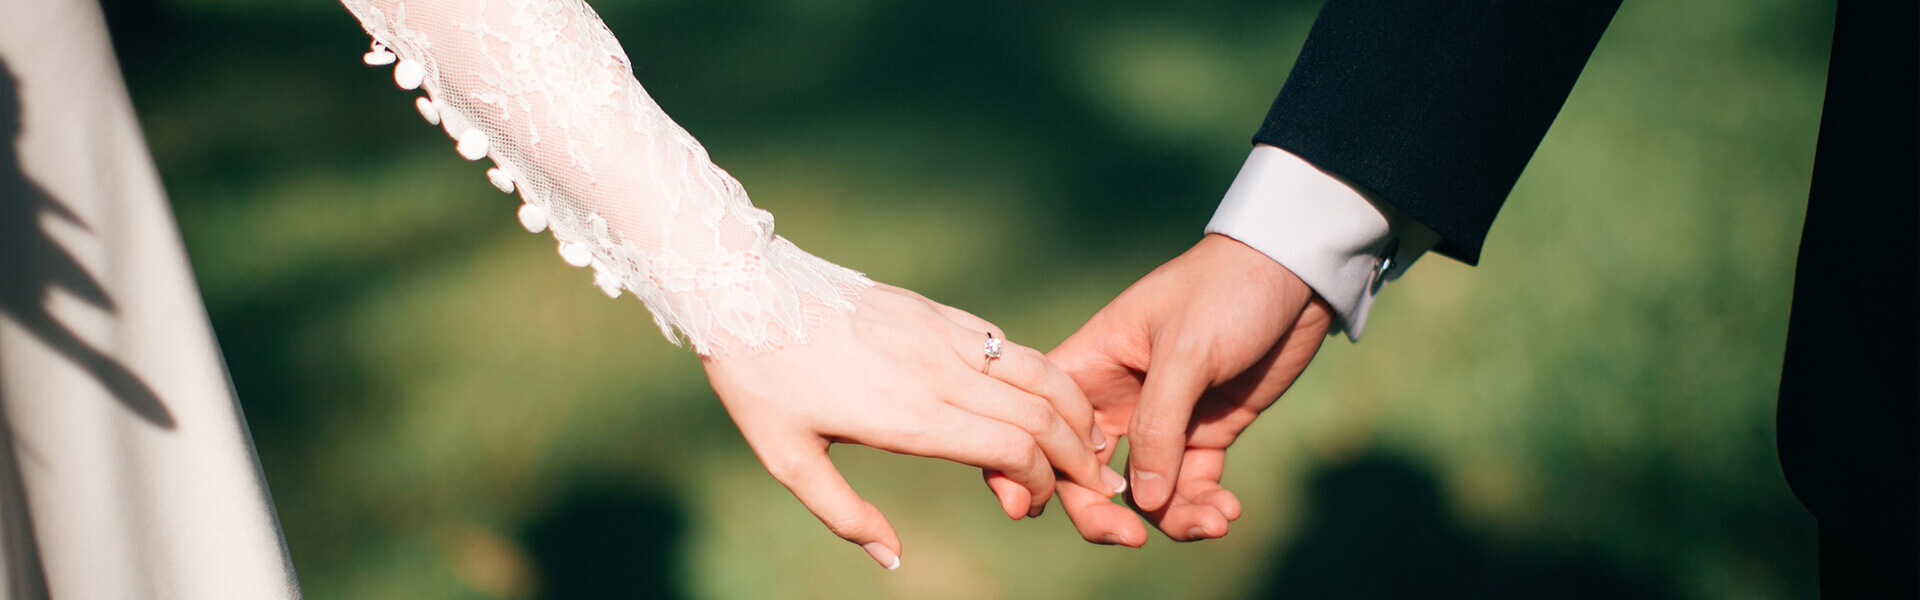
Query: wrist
1237, 259
786, 299
1344, 243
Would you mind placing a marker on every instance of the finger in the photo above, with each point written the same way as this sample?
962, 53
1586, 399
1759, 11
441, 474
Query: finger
1014, 500
1050, 383
1159, 428
1199, 509
1098, 519
1200, 478
1184, 521
810, 475
1030, 371
1220, 498
950, 433
1065, 450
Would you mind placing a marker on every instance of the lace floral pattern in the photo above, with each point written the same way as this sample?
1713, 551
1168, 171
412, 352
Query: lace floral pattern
543, 89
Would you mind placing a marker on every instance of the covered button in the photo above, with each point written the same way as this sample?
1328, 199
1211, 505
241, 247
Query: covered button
576, 254
409, 74
472, 144
428, 110
533, 218
500, 180
607, 283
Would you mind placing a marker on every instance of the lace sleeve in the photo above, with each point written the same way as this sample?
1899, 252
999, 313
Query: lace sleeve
543, 89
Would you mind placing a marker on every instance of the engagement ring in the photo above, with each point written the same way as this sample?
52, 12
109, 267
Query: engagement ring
991, 350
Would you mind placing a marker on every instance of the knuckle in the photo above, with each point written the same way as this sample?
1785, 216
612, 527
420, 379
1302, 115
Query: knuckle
1151, 434
1033, 460
1020, 457
1027, 367
1146, 423
1036, 417
1005, 458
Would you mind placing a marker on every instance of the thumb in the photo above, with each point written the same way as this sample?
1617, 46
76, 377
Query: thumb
811, 476
1158, 434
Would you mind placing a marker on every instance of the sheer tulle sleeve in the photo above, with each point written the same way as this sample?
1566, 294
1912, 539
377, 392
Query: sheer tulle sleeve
543, 89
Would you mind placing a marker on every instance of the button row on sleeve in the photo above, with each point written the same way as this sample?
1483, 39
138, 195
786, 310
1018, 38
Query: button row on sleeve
473, 145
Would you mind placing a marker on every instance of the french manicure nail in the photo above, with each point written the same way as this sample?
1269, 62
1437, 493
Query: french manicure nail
1149, 488
1099, 438
883, 555
1113, 480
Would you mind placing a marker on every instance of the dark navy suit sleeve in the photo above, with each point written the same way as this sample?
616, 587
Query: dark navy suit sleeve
1435, 107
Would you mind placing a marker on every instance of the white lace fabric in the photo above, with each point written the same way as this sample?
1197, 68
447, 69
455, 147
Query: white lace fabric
543, 89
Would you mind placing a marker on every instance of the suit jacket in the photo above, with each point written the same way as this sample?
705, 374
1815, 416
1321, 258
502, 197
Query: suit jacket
1436, 107
1851, 382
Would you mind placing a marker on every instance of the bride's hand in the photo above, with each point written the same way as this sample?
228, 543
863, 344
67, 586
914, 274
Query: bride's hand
902, 373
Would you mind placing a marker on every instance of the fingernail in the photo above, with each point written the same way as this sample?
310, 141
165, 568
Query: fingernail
1035, 511
1114, 538
1113, 480
1099, 438
1149, 488
1197, 533
883, 555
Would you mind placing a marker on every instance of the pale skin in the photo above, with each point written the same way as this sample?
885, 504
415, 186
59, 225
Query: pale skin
1224, 328
1181, 363
902, 373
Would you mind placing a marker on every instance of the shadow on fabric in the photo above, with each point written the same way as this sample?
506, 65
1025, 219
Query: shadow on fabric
37, 265
34, 264
1378, 527
609, 542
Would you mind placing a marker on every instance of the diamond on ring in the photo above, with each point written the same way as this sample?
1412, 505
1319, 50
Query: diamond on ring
992, 349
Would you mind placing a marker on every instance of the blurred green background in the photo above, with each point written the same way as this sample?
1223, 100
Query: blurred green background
445, 410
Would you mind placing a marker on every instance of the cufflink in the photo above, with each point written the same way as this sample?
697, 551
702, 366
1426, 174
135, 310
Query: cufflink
1386, 265
1386, 258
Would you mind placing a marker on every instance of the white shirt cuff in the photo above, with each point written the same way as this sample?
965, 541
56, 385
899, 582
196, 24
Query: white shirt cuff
1333, 235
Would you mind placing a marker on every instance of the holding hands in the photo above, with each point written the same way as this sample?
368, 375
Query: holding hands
905, 374
1182, 362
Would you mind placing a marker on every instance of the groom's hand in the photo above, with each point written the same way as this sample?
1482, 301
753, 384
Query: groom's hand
1181, 362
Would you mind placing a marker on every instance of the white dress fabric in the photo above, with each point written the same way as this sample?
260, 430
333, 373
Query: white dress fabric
542, 89
126, 470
